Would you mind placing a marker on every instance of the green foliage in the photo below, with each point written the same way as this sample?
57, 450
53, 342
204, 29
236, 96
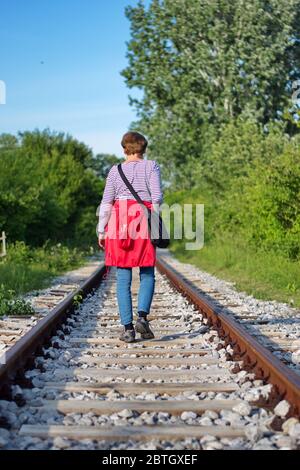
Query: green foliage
240, 146
57, 257
102, 163
9, 305
202, 195
49, 189
26, 269
269, 214
251, 188
77, 301
8, 141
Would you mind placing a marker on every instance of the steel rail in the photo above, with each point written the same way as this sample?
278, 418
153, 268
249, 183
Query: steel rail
254, 355
22, 353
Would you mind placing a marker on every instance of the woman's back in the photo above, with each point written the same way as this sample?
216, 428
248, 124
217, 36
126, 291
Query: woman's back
144, 175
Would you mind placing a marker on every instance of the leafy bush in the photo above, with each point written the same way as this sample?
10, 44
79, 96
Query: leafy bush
56, 257
47, 182
20, 253
10, 305
263, 204
26, 268
251, 189
240, 147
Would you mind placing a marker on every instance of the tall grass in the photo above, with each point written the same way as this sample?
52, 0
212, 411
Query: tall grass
264, 274
23, 278
25, 269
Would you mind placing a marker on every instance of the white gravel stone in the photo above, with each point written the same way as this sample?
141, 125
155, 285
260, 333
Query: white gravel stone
210, 414
263, 444
282, 409
3, 442
243, 408
205, 421
241, 375
206, 439
28, 442
16, 390
246, 385
4, 437
11, 418
284, 442
163, 417
289, 424
221, 422
296, 357
215, 445
294, 432
125, 414
186, 415
8, 406
253, 433
36, 402
61, 443
149, 420
237, 444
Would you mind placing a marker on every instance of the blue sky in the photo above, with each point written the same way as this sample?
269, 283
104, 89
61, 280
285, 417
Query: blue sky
78, 88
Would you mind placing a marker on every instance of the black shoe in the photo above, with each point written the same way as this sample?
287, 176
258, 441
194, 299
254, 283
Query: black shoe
142, 326
128, 336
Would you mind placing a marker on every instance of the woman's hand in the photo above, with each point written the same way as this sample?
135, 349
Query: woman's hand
101, 240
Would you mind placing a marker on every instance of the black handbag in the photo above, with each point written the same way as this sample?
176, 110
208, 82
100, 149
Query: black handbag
158, 233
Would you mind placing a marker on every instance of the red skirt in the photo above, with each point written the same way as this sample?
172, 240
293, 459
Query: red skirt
127, 242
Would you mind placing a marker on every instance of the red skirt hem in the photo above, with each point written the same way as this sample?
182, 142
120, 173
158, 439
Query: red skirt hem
131, 251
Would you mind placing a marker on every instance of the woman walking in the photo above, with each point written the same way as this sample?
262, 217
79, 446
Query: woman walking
123, 231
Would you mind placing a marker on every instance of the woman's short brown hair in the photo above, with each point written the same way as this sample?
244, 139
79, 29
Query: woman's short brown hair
133, 142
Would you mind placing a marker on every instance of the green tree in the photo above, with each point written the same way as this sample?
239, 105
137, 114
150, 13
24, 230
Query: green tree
48, 189
8, 141
204, 62
102, 163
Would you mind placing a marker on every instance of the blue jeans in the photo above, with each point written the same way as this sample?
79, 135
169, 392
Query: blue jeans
146, 291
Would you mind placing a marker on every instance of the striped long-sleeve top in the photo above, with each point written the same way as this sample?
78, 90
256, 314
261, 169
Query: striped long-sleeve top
144, 175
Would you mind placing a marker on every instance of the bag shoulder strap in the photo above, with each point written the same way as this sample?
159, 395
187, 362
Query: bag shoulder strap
129, 185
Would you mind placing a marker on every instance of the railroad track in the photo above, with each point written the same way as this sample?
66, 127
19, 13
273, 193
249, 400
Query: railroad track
276, 326
204, 382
